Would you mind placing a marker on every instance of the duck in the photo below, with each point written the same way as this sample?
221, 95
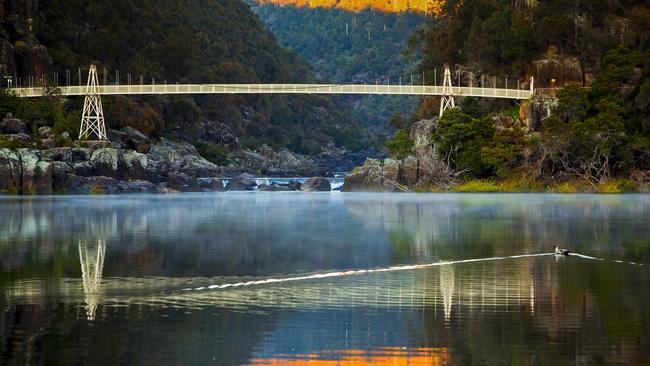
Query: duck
559, 251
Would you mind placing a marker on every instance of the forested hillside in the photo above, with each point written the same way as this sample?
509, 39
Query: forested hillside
179, 41
351, 47
596, 52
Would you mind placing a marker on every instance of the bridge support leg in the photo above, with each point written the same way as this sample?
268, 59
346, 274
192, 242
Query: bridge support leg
92, 118
447, 100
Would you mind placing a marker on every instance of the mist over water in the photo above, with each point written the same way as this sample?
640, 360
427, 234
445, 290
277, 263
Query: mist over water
338, 278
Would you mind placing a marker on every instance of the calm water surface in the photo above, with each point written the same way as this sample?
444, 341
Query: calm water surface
325, 279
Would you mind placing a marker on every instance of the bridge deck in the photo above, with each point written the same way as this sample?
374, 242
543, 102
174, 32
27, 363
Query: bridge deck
162, 89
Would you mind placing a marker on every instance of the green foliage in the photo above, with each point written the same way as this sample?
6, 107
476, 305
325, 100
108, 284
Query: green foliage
37, 112
215, 154
401, 146
199, 42
474, 145
369, 52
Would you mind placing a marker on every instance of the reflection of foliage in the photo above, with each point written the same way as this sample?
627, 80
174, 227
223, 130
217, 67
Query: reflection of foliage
401, 242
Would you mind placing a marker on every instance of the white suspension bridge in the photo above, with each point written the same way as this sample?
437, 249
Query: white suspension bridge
92, 125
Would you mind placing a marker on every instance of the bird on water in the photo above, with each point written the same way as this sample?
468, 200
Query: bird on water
559, 251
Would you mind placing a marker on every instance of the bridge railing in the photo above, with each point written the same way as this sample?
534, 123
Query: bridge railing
162, 89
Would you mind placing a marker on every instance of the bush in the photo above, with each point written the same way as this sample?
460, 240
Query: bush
215, 154
627, 186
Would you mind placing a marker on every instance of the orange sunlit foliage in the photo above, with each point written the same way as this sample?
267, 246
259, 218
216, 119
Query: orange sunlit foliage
393, 356
432, 7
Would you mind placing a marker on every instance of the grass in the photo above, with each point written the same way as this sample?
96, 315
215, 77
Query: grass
521, 184
477, 186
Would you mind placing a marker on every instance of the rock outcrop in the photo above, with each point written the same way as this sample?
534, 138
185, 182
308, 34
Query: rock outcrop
316, 184
243, 182
10, 125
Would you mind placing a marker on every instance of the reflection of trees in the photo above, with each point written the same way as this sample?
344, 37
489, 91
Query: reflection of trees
92, 267
474, 226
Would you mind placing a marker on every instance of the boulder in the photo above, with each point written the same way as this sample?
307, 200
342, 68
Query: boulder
274, 187
10, 125
220, 134
182, 182
135, 165
108, 162
211, 184
135, 140
374, 175
107, 185
10, 171
62, 173
44, 131
294, 185
243, 182
183, 157
36, 173
316, 184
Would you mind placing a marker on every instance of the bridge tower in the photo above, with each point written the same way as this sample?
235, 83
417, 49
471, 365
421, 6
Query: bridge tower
447, 100
92, 118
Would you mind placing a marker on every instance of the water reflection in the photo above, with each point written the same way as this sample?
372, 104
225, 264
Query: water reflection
393, 356
192, 279
92, 267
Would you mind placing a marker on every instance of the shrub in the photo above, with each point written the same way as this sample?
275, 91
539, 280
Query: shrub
215, 154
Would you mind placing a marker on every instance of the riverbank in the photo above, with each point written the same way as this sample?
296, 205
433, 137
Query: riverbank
413, 175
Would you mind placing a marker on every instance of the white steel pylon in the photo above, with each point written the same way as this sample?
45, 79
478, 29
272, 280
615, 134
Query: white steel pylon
447, 100
92, 119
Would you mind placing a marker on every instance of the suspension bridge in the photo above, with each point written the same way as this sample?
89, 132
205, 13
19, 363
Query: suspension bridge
93, 116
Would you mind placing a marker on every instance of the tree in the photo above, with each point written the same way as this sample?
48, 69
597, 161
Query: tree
401, 146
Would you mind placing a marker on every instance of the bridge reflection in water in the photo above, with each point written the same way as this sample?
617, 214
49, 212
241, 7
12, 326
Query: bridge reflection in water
92, 268
449, 287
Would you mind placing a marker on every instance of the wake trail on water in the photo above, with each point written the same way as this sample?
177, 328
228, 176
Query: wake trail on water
386, 269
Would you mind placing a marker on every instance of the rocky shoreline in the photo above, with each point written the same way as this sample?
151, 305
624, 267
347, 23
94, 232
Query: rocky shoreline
169, 166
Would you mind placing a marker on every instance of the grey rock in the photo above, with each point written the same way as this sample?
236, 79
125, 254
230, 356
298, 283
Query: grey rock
108, 162
62, 173
274, 188
37, 173
44, 131
107, 185
211, 184
135, 165
374, 175
182, 182
316, 184
135, 140
243, 182
10, 171
10, 125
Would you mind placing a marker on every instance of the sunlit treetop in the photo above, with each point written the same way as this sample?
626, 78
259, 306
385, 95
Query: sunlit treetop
432, 7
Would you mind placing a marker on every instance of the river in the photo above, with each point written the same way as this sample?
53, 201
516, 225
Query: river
330, 278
